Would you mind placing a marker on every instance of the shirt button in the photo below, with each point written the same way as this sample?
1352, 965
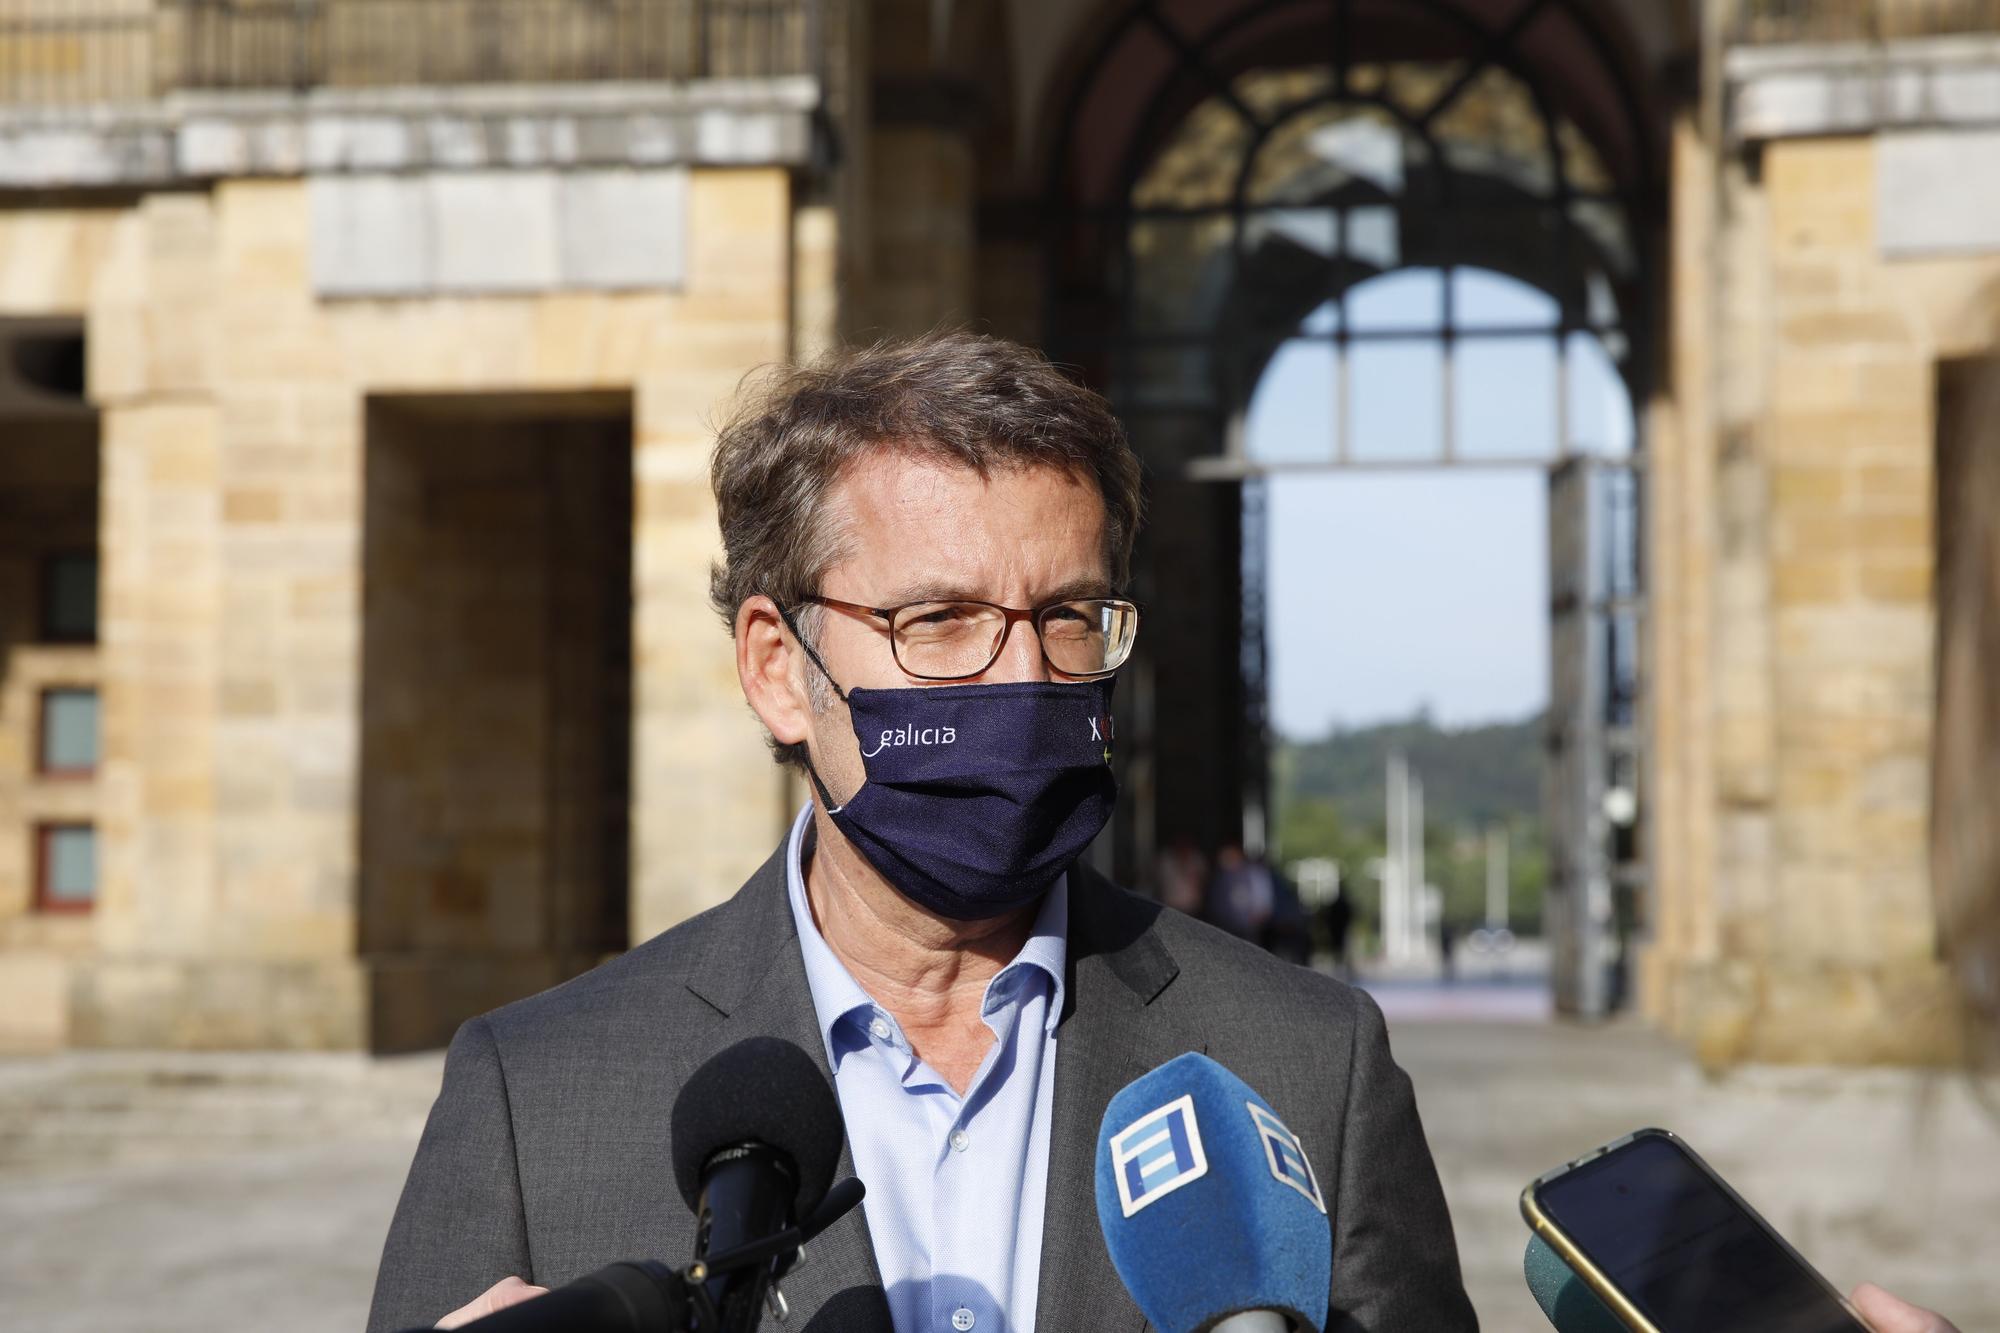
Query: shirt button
960, 1141
880, 1027
961, 1319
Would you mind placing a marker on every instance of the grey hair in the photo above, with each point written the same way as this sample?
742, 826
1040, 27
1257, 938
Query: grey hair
982, 402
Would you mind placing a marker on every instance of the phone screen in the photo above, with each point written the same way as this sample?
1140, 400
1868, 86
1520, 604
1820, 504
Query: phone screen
1682, 1250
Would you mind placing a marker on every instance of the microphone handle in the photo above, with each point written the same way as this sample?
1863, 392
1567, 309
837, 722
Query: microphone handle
1254, 1321
635, 1297
746, 1195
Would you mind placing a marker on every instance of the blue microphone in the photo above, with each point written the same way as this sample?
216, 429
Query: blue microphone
1212, 1214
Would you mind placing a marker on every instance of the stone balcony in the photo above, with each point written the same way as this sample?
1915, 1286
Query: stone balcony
1919, 77
147, 93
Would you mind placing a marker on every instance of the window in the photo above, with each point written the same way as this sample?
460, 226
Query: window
69, 597
65, 867
69, 732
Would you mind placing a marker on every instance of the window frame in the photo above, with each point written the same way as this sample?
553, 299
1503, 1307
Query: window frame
65, 773
45, 901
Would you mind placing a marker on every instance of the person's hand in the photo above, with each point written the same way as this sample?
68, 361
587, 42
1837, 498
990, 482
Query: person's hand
1892, 1314
507, 1291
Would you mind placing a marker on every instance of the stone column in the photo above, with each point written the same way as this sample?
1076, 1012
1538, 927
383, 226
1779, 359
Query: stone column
708, 802
230, 623
1816, 942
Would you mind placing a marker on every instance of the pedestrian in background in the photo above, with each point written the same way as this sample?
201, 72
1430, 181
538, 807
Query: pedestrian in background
1240, 895
1181, 875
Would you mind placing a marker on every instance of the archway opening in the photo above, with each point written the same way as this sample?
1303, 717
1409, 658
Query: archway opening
1405, 212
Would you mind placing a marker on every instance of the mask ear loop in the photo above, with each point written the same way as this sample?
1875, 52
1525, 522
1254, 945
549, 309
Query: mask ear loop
826, 797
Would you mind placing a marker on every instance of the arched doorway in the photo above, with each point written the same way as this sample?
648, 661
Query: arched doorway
1371, 185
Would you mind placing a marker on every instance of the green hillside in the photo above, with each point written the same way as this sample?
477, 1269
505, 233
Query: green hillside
1328, 799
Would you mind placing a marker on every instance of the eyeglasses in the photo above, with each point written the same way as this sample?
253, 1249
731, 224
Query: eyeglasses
1085, 636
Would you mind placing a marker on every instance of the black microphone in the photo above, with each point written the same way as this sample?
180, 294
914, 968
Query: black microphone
640, 1297
757, 1137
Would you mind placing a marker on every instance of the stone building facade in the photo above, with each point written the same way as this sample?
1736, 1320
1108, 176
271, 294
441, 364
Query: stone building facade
355, 667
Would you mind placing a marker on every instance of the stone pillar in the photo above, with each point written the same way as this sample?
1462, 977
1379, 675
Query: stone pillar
708, 802
230, 622
1814, 940
1851, 449
1680, 443
233, 399
920, 181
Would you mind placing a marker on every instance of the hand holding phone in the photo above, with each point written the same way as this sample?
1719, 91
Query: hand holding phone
1669, 1247
1886, 1313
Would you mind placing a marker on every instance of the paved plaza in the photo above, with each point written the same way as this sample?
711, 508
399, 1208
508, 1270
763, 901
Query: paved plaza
177, 1193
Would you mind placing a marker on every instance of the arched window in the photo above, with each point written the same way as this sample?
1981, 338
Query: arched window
1384, 192
1430, 216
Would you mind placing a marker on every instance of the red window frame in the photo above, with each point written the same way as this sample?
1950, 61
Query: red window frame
42, 768
44, 900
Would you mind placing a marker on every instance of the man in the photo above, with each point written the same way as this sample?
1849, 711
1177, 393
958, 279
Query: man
921, 540
924, 545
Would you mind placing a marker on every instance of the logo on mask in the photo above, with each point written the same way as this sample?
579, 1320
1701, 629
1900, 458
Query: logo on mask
900, 736
1104, 731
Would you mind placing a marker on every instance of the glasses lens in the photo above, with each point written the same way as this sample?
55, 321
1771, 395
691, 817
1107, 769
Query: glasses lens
1089, 636
944, 640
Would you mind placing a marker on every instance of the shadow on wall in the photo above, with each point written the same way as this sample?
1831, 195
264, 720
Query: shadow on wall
496, 701
1965, 823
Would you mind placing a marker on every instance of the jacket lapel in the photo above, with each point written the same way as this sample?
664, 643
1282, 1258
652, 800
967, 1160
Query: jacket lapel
1105, 1039
754, 977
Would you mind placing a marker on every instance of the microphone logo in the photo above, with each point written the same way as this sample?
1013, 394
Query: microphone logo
1285, 1155
1160, 1152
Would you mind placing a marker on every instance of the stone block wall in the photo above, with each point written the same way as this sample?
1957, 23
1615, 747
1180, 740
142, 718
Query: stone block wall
48, 505
234, 467
1796, 919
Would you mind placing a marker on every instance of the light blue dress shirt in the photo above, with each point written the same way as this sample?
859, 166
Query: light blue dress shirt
955, 1184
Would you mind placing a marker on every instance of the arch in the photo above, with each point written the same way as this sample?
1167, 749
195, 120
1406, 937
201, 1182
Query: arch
1652, 42
1565, 45
1574, 217
1319, 144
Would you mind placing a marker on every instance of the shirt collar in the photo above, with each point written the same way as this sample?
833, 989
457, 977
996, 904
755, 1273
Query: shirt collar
837, 995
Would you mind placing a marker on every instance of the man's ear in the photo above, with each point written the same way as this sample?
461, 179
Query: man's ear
767, 667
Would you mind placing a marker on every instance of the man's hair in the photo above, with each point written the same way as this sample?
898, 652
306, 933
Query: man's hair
982, 402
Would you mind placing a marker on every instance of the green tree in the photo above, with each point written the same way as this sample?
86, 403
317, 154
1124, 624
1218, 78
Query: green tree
1329, 803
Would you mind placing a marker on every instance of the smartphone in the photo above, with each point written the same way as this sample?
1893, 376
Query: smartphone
1669, 1247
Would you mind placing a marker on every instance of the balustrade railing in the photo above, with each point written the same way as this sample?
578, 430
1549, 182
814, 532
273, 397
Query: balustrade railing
1767, 22
71, 52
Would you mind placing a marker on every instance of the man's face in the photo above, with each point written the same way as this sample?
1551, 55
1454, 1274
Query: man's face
917, 529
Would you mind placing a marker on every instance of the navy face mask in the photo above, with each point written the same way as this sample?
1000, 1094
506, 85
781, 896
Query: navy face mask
977, 796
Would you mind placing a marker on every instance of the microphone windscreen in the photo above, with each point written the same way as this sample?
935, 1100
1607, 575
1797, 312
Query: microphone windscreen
1570, 1304
766, 1090
1208, 1203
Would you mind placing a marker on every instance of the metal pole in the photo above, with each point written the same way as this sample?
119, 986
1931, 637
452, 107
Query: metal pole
1393, 853
1419, 892
1496, 877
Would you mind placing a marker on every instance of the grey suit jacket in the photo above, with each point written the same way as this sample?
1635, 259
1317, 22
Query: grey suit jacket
548, 1152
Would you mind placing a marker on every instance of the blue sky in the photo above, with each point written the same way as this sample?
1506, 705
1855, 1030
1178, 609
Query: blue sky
1421, 587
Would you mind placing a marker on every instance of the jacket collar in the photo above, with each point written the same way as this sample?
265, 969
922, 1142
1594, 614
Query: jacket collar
751, 973
1118, 968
